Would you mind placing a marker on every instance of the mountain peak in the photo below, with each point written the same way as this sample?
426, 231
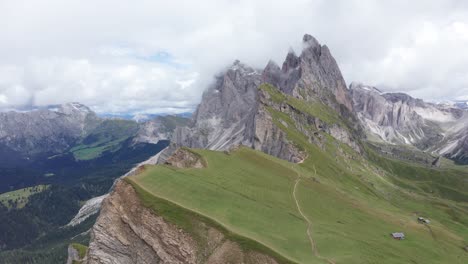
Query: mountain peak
310, 41
74, 108
238, 66
360, 86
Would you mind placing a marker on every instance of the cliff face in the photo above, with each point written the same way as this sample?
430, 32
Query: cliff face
226, 113
126, 232
159, 128
398, 118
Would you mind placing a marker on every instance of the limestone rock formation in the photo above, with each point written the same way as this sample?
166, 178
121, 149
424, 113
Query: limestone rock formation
312, 74
233, 110
226, 112
159, 128
398, 118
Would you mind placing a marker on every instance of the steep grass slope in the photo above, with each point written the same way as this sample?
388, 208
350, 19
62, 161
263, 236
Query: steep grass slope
348, 206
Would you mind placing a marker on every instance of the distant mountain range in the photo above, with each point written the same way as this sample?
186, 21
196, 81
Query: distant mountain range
52, 160
234, 109
397, 118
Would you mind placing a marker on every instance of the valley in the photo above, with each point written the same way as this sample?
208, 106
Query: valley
44, 186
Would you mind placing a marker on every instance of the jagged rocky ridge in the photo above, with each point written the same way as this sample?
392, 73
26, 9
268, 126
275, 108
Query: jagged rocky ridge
53, 130
45, 130
398, 118
234, 111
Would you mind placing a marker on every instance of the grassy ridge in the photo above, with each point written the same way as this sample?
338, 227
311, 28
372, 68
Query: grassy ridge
227, 192
246, 190
186, 219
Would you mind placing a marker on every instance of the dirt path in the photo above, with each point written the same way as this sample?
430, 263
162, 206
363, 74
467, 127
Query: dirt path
309, 223
313, 245
430, 231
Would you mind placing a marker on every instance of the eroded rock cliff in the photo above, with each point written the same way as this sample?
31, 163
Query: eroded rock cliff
398, 118
127, 232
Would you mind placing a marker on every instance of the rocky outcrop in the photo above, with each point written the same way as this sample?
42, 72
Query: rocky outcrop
159, 128
270, 139
436, 162
311, 75
73, 255
184, 158
126, 232
308, 125
226, 112
90, 208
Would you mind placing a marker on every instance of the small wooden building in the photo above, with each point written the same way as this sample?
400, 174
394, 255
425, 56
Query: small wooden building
398, 235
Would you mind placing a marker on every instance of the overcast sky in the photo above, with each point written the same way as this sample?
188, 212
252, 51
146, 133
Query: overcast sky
158, 56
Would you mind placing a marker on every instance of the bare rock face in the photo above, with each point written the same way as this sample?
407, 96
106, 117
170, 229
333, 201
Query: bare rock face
183, 158
272, 140
90, 208
151, 132
225, 113
126, 232
398, 118
73, 255
159, 128
312, 74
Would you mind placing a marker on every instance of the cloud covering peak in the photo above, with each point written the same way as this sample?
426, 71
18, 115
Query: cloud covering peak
158, 56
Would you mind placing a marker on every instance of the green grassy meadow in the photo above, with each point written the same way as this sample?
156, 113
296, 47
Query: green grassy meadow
108, 136
20, 197
250, 193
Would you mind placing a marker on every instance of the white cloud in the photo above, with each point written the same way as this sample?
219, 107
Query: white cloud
158, 56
